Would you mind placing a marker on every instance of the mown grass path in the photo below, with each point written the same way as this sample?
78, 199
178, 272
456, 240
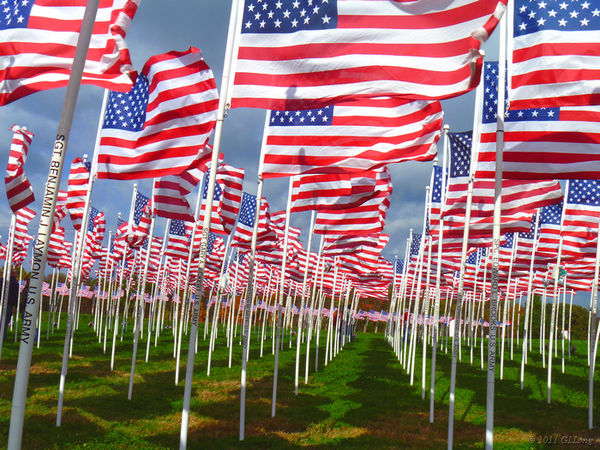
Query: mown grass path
362, 399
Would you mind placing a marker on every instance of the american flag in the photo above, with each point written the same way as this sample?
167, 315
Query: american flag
542, 143
164, 122
18, 188
231, 180
550, 220
79, 178
366, 218
22, 220
142, 218
435, 209
170, 191
555, 52
39, 40
519, 198
304, 53
60, 210
580, 218
56, 247
415, 244
215, 221
243, 233
178, 245
351, 137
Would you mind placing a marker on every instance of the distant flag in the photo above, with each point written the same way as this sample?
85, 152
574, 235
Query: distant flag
39, 39
79, 179
581, 217
231, 180
353, 136
554, 52
540, 143
178, 245
243, 233
163, 124
18, 188
302, 55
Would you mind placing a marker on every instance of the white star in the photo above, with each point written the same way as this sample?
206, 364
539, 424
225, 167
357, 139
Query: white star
522, 26
256, 16
316, 10
585, 5
563, 5
250, 7
550, 113
552, 13
302, 13
278, 4
326, 18
584, 22
532, 14
286, 14
270, 14
265, 6
534, 113
596, 12
522, 9
541, 21
306, 19
262, 24
277, 23
21, 18
542, 5
294, 23
574, 14
296, 4
562, 23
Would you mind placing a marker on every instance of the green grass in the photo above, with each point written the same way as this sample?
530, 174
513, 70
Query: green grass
362, 399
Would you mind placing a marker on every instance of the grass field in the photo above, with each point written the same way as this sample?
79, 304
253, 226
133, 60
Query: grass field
362, 399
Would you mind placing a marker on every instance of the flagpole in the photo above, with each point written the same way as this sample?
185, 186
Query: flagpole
438, 275
594, 310
506, 301
491, 371
15, 434
6, 279
300, 317
223, 104
528, 300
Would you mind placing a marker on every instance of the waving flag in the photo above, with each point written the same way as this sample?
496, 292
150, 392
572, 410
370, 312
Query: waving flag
550, 220
178, 245
581, 216
79, 179
170, 191
160, 126
541, 143
231, 180
18, 188
243, 232
555, 54
39, 39
351, 137
300, 54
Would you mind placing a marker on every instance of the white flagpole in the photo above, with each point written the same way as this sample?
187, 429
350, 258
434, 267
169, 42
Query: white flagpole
592, 332
528, 301
301, 315
438, 276
189, 371
491, 371
507, 301
38, 268
281, 295
312, 318
6, 279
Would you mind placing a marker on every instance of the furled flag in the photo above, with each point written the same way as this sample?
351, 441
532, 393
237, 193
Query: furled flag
215, 222
39, 39
351, 137
162, 125
170, 191
79, 179
555, 53
298, 54
18, 188
542, 143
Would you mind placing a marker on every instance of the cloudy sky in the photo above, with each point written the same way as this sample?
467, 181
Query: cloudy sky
161, 26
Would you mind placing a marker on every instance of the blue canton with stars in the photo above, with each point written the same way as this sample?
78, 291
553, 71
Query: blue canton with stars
177, 227
436, 193
247, 210
415, 244
510, 237
93, 213
15, 13
212, 237
138, 209
460, 153
584, 192
399, 265
531, 233
473, 258
307, 117
288, 16
490, 103
127, 111
561, 15
551, 214
218, 190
